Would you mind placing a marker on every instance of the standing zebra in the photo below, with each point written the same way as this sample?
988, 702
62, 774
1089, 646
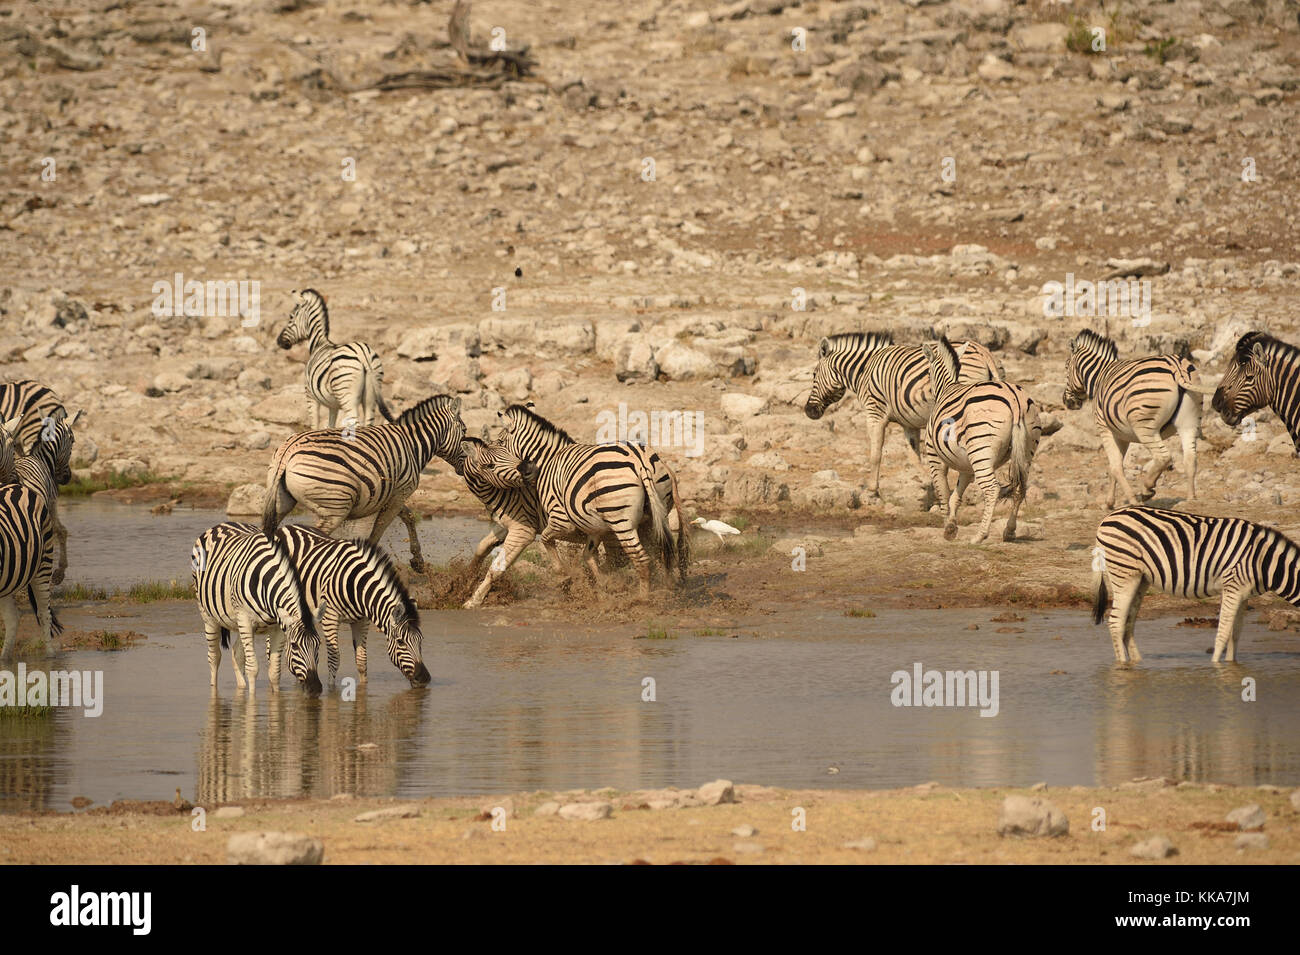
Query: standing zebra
345, 476
26, 554
505, 486
1188, 555
353, 582
1140, 399
347, 378
975, 429
245, 581
47, 466
33, 403
892, 382
1263, 372
590, 492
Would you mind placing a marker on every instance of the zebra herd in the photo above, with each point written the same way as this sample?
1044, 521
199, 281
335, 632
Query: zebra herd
537, 482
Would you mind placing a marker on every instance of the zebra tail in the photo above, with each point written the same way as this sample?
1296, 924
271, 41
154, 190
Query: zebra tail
56, 628
1024, 442
376, 385
660, 529
225, 639
1100, 596
271, 507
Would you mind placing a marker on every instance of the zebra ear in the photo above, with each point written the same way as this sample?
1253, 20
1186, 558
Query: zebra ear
961, 352
824, 348
11, 426
76, 417
1257, 352
468, 449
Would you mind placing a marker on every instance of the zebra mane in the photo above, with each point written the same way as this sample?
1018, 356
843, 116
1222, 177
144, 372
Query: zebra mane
1247, 342
855, 341
947, 357
324, 309
421, 409
381, 560
543, 425
1100, 342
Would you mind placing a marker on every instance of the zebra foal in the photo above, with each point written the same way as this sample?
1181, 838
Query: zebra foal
1188, 555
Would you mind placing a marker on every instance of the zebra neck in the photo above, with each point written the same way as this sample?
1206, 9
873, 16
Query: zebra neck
540, 447
1277, 566
1091, 374
316, 338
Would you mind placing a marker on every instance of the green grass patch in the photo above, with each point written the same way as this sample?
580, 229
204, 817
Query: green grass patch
710, 632
112, 481
859, 612
25, 712
656, 632
155, 590
1160, 49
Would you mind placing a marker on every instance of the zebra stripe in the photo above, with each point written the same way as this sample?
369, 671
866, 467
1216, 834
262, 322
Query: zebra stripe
1139, 399
892, 383
346, 476
33, 402
1264, 372
505, 486
975, 429
47, 466
245, 581
590, 492
345, 378
1189, 555
25, 562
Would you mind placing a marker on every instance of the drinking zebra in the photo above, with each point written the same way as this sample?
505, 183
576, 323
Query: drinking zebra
33, 403
1263, 372
892, 382
26, 555
975, 429
245, 581
1188, 555
505, 486
353, 582
341, 475
1139, 399
591, 492
47, 466
340, 378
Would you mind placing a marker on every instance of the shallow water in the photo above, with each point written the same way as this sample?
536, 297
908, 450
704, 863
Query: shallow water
779, 699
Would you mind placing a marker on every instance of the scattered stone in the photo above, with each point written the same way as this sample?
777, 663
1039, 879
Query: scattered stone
1031, 816
586, 811
1248, 817
1157, 847
1250, 840
228, 812
716, 792
866, 844
393, 812
274, 848
744, 832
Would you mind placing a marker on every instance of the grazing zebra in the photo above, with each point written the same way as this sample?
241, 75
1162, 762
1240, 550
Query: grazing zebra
354, 582
47, 466
340, 378
590, 492
1188, 555
1139, 399
245, 581
343, 476
975, 429
26, 557
31, 401
505, 486
892, 382
1264, 372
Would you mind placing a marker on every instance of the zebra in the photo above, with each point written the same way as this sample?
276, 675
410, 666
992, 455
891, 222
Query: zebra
340, 378
34, 403
354, 582
975, 429
590, 492
1139, 399
505, 485
26, 557
350, 475
244, 581
1188, 555
48, 466
1264, 372
892, 382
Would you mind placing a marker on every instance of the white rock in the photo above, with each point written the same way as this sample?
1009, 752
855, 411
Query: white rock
246, 501
716, 792
586, 811
1248, 817
274, 848
1157, 847
1031, 816
392, 812
737, 405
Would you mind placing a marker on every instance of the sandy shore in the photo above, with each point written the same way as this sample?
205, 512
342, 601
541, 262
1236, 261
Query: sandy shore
927, 824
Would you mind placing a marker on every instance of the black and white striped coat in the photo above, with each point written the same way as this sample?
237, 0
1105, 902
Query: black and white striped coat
343, 379
505, 486
245, 581
26, 555
591, 493
1188, 555
1264, 373
48, 466
892, 383
340, 475
1148, 400
34, 403
975, 429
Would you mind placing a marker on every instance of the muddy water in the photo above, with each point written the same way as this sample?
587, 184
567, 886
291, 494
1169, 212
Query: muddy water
779, 699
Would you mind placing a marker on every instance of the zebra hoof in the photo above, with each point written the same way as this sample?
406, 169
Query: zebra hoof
1009, 534
417, 565
950, 532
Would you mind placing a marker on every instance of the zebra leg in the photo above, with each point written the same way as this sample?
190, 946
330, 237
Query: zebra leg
250, 655
213, 634
631, 545
274, 650
41, 590
1130, 622
1231, 655
327, 524
9, 613
1161, 459
877, 418
954, 501
61, 537
1230, 610
237, 658
1188, 423
498, 534
1017, 498
516, 539
328, 625
359, 648
987, 479
417, 555
1115, 449
1124, 601
589, 558
927, 480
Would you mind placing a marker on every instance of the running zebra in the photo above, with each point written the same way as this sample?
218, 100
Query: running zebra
47, 466
1264, 372
26, 557
343, 475
1140, 399
591, 493
892, 382
33, 403
353, 582
245, 581
340, 378
975, 429
505, 486
1188, 555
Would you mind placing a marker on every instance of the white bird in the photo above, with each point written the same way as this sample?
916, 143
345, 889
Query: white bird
715, 527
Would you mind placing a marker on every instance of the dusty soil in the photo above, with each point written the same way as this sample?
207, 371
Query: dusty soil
923, 825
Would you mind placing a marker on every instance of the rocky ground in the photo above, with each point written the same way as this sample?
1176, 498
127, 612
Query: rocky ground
668, 215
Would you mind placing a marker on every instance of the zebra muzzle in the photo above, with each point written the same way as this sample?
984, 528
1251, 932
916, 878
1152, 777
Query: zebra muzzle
420, 676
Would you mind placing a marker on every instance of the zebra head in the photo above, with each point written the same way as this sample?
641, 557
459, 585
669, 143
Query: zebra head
308, 319
404, 644
529, 436
295, 618
496, 465
945, 364
438, 429
8, 434
1248, 383
1089, 353
55, 444
839, 358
